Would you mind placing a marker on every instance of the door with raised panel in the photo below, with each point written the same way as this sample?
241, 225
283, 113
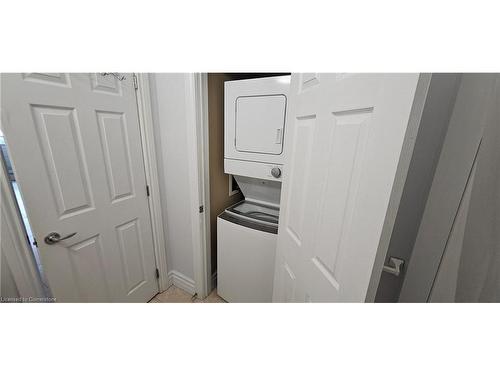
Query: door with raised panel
345, 134
76, 150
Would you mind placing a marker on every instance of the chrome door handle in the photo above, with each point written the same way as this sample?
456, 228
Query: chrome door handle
55, 237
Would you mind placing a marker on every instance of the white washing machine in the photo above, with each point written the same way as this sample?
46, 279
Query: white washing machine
246, 247
255, 123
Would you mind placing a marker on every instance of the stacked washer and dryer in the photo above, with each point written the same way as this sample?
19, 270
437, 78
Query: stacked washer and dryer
254, 126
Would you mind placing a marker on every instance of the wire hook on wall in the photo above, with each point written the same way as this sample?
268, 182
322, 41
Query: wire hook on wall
119, 77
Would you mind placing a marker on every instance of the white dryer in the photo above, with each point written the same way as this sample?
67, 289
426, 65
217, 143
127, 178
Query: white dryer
254, 126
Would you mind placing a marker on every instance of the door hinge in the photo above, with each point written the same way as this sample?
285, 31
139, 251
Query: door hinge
201, 209
147, 190
157, 273
34, 242
136, 86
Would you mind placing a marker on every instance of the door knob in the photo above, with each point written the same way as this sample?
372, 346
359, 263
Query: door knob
55, 237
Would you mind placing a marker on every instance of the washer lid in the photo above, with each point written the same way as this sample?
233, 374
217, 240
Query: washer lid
256, 189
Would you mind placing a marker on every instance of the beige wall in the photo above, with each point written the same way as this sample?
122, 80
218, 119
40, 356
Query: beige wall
219, 181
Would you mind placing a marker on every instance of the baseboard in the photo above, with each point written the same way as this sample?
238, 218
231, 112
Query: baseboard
181, 281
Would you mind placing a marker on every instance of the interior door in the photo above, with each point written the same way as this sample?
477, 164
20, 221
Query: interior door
76, 149
345, 134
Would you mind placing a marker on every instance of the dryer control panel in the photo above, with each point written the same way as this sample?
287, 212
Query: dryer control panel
264, 171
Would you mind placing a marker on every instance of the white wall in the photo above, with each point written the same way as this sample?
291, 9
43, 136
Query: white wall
434, 123
445, 285
470, 114
171, 117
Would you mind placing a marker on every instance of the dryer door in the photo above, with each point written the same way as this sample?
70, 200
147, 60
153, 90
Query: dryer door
260, 121
254, 119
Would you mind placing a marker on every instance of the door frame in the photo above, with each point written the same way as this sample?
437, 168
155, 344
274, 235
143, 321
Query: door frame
197, 139
146, 126
19, 258
145, 117
204, 142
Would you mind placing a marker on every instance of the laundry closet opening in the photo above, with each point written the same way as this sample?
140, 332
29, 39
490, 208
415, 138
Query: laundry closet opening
256, 143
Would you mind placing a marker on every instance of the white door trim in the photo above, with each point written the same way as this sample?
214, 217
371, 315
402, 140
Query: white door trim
197, 139
152, 179
204, 144
18, 257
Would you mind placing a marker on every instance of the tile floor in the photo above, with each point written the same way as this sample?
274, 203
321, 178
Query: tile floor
174, 294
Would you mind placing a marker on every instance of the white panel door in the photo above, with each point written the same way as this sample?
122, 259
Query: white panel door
344, 138
76, 149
